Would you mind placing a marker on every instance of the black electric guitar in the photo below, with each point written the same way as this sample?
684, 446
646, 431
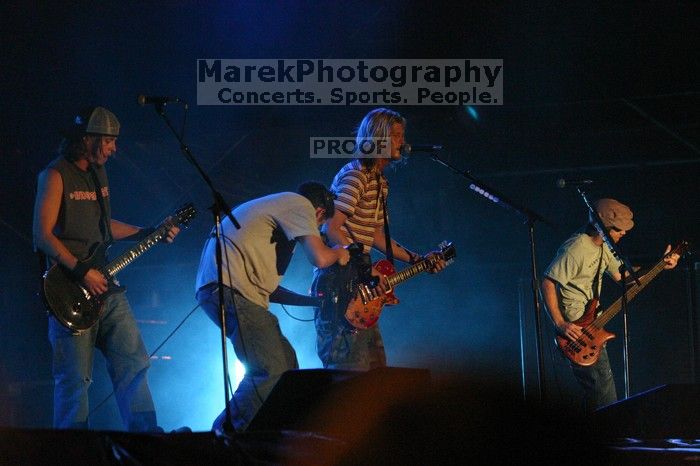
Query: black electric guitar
73, 305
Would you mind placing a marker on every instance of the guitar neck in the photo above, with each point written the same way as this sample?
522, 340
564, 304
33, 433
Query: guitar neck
409, 272
632, 291
128, 256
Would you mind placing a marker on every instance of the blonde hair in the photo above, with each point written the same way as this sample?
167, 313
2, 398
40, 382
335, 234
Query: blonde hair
376, 124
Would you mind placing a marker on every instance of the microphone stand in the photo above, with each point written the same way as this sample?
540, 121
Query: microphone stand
218, 207
530, 218
626, 266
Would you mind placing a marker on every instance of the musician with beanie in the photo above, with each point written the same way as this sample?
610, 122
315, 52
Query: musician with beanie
574, 278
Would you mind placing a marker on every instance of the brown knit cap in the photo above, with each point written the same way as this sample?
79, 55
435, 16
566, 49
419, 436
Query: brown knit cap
614, 214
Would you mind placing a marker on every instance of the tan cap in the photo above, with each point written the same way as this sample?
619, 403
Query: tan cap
614, 214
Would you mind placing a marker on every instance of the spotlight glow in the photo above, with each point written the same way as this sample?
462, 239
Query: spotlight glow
472, 112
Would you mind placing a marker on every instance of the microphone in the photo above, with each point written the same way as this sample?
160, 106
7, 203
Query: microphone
563, 183
156, 100
424, 148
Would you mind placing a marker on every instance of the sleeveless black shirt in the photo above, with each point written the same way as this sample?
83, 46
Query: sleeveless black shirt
78, 225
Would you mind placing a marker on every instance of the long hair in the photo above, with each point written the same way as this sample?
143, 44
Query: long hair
75, 148
376, 124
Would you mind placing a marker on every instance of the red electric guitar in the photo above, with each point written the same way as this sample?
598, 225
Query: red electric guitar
364, 309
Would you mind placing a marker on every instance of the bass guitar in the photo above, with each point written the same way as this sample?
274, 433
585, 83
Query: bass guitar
365, 307
71, 303
585, 350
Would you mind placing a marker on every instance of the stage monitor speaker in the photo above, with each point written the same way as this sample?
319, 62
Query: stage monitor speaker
666, 411
306, 399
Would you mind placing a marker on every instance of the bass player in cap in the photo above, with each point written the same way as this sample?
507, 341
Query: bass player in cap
573, 280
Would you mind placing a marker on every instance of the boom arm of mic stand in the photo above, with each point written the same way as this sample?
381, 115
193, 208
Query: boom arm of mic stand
494, 196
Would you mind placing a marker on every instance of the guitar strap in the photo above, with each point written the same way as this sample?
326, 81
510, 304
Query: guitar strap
387, 236
104, 225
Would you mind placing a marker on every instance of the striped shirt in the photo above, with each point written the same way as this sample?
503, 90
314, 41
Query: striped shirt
358, 198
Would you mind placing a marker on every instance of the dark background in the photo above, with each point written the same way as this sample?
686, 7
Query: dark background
606, 93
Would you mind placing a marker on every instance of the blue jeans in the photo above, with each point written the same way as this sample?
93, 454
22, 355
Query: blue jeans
597, 382
118, 338
259, 345
337, 344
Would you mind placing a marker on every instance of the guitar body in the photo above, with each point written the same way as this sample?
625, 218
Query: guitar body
585, 351
364, 309
68, 300
72, 304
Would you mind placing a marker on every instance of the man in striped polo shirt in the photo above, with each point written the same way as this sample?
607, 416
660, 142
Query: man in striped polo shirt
361, 190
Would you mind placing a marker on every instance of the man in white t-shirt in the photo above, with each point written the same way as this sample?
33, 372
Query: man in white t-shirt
254, 259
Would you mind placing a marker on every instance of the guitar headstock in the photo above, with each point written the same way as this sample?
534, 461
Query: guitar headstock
680, 249
184, 214
447, 251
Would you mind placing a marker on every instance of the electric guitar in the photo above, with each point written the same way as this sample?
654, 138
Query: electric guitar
585, 350
73, 305
364, 309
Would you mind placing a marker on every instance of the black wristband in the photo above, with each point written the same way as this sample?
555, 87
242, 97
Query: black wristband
80, 269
